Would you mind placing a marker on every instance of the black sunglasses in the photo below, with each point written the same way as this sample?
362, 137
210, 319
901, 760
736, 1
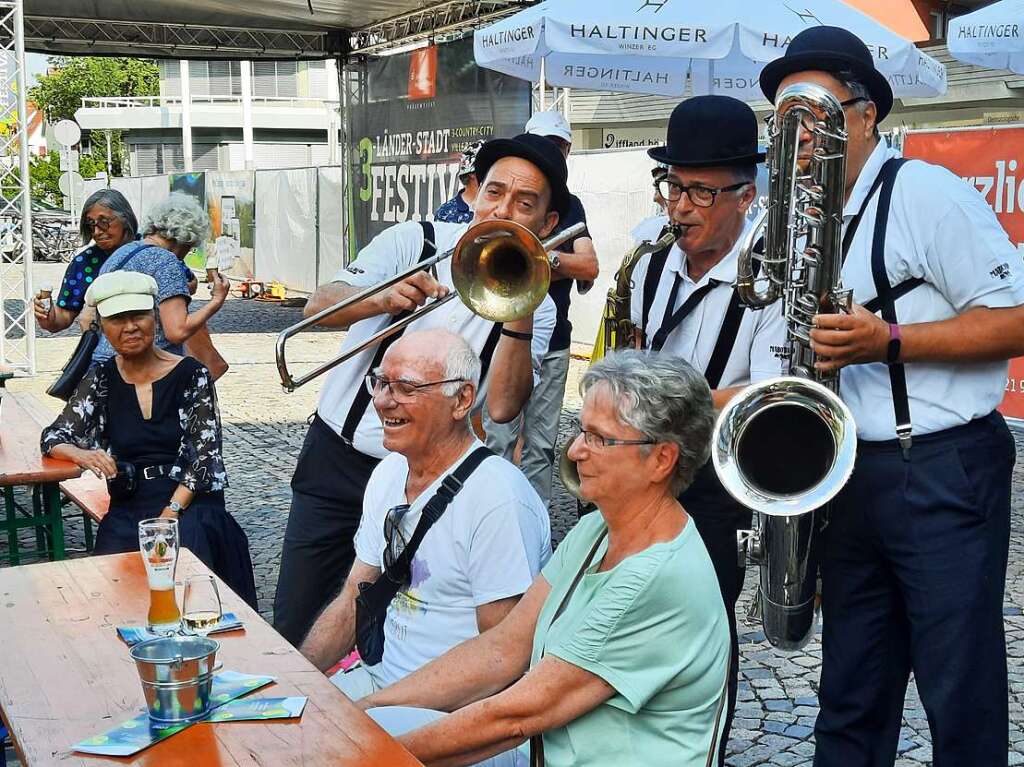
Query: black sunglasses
395, 542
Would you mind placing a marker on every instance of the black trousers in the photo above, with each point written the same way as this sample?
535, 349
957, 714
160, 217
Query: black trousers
317, 554
913, 572
718, 516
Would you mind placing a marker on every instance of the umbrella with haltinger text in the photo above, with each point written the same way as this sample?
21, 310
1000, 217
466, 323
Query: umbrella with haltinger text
677, 47
991, 37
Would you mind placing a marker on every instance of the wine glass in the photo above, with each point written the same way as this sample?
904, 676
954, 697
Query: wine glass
201, 609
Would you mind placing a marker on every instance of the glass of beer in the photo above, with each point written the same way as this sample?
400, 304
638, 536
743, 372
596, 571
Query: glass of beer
200, 606
158, 542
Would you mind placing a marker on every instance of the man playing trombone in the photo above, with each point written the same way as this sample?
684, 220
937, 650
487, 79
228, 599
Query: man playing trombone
523, 180
915, 552
683, 303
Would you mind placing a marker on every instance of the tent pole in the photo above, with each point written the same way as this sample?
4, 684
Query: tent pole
247, 147
186, 116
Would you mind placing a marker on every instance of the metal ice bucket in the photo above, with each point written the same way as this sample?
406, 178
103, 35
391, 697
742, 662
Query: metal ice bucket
177, 675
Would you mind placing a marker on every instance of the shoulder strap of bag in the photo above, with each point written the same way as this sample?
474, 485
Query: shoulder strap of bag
436, 506
360, 402
537, 741
887, 299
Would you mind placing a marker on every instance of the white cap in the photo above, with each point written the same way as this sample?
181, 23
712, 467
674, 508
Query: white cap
116, 292
550, 123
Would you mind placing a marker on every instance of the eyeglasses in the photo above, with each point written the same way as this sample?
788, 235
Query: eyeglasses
102, 223
851, 102
395, 541
401, 391
700, 195
596, 441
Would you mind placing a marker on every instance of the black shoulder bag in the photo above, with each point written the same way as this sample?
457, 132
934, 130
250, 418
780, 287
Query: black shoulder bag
373, 598
78, 363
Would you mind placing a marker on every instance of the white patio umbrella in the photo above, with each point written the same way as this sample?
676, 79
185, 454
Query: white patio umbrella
658, 47
991, 37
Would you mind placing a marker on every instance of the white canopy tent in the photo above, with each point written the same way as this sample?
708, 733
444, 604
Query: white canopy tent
674, 49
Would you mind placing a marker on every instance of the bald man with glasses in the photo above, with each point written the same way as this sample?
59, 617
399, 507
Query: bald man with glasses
489, 537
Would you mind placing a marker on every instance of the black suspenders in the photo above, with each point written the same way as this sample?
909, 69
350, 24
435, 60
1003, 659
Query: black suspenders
361, 401
726, 334
886, 298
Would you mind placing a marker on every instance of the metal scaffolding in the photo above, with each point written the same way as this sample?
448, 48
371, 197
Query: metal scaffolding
435, 22
17, 324
161, 40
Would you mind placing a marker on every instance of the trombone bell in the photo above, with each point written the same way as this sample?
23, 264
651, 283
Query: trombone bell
501, 270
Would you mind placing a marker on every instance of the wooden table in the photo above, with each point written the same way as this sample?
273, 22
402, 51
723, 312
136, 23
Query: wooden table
21, 463
65, 676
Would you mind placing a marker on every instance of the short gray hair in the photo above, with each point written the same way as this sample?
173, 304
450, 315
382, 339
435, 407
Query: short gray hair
461, 363
119, 206
179, 218
663, 397
857, 90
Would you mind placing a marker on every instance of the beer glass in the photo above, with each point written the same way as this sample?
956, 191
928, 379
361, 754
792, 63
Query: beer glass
158, 541
200, 606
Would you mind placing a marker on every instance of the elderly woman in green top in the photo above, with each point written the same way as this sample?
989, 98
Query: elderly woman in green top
618, 653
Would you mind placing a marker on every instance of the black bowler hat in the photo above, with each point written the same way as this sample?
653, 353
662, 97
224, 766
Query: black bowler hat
710, 131
832, 50
541, 151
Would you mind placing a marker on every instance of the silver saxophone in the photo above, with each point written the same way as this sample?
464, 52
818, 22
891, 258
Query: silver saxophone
785, 447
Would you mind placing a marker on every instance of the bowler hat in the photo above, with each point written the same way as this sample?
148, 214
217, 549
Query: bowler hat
538, 150
832, 50
710, 131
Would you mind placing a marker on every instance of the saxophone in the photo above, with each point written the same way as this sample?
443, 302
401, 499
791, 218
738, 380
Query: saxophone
617, 331
785, 447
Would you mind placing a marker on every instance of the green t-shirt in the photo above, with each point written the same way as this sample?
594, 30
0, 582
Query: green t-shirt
654, 628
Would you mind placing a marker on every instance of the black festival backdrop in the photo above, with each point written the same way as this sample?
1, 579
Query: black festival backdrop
421, 110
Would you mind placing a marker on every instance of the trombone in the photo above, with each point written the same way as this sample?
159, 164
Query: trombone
500, 270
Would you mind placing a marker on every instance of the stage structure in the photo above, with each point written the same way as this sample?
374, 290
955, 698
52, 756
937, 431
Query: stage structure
349, 31
17, 325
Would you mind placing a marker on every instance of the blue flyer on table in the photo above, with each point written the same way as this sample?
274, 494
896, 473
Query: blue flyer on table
138, 733
132, 635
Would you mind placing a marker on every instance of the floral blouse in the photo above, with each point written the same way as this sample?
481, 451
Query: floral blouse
199, 465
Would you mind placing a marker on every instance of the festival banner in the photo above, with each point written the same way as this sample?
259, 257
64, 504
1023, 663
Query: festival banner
420, 111
991, 160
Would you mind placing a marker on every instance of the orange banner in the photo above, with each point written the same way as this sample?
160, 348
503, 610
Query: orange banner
991, 160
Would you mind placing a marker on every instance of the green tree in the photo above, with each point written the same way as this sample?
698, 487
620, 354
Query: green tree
59, 94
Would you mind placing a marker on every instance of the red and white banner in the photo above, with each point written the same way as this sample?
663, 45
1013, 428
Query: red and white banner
992, 160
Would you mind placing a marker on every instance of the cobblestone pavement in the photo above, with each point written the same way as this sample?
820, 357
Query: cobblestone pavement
264, 428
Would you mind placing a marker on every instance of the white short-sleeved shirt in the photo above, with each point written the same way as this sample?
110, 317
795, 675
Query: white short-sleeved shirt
392, 251
489, 544
939, 229
760, 350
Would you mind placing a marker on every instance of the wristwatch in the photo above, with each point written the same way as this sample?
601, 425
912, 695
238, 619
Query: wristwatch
553, 260
175, 507
892, 355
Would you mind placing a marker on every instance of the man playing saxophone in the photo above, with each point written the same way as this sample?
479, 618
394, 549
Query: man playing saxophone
915, 553
683, 302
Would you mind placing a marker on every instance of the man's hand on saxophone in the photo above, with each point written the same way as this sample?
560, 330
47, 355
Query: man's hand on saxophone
849, 339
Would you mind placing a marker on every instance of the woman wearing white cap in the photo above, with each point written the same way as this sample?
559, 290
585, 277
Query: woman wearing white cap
147, 421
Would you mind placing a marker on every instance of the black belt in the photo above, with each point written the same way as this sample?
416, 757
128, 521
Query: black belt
157, 471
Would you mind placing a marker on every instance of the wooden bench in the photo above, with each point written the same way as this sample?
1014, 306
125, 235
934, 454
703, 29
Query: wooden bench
88, 492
